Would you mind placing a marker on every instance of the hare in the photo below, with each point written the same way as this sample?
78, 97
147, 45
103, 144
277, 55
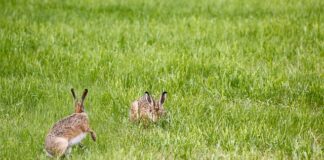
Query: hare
147, 109
69, 131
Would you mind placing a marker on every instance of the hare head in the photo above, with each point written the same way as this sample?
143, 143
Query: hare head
79, 105
156, 105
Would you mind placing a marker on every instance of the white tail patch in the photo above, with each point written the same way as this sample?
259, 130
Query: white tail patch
77, 139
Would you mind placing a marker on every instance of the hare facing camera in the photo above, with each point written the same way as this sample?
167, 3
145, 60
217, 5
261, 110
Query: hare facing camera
147, 109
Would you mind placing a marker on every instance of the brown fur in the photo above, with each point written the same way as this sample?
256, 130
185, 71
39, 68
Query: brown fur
58, 139
147, 109
78, 107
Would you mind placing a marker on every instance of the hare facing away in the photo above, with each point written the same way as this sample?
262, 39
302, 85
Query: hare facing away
147, 109
69, 131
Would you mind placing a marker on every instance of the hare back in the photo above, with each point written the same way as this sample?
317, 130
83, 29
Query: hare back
71, 127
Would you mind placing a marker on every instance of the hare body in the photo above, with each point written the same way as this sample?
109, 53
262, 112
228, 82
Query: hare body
77, 139
69, 131
141, 109
147, 109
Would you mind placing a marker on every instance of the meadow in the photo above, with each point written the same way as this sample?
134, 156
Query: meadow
245, 78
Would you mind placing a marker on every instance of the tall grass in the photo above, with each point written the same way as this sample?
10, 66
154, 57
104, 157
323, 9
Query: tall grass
245, 77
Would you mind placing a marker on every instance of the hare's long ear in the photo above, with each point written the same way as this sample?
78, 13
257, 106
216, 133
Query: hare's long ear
85, 92
73, 94
163, 97
148, 97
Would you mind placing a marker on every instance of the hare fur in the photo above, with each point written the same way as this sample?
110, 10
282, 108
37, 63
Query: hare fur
147, 109
69, 131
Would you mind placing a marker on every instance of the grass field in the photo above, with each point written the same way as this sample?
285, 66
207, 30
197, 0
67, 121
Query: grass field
245, 77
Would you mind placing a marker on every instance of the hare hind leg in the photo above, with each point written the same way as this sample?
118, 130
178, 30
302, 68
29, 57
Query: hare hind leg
61, 146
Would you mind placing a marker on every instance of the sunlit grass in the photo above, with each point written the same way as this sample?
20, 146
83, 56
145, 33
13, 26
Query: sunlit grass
245, 78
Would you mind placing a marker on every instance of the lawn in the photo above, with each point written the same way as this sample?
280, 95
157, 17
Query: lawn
245, 78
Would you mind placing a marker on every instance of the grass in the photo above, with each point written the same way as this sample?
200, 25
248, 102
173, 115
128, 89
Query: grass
245, 77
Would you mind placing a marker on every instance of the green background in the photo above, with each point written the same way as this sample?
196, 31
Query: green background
245, 77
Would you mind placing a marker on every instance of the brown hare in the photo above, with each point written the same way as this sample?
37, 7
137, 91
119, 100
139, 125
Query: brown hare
147, 109
69, 131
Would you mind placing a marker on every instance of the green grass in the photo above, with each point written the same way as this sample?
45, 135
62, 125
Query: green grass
245, 77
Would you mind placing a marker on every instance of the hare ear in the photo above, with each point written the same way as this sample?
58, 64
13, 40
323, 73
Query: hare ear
148, 97
85, 92
73, 94
163, 97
